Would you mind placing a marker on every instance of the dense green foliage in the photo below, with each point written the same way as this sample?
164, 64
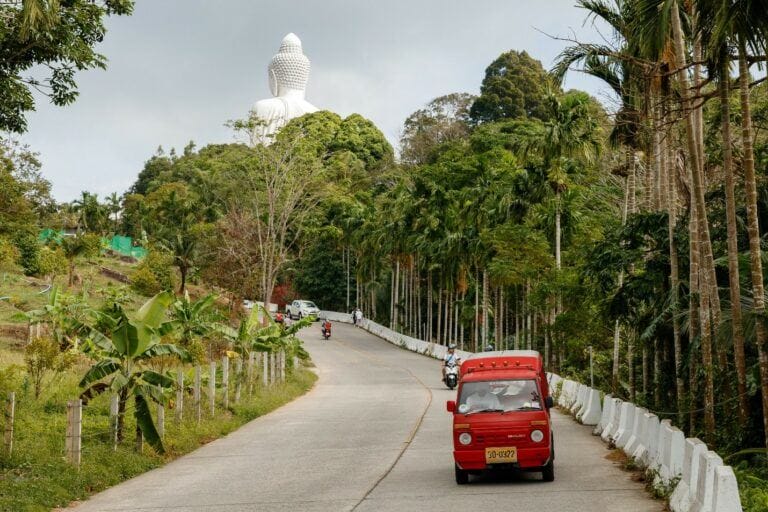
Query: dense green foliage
59, 36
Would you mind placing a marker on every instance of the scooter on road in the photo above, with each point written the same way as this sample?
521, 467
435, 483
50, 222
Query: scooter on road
451, 378
325, 329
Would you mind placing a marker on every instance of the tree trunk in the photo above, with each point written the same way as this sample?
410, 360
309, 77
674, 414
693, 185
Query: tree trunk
397, 297
670, 170
440, 313
558, 231
756, 267
430, 307
392, 300
737, 332
486, 305
477, 310
631, 367
708, 298
183, 271
518, 313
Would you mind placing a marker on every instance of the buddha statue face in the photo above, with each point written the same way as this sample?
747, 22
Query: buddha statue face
289, 68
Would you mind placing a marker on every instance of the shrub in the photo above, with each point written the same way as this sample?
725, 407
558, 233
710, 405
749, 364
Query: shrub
42, 356
144, 282
158, 264
9, 254
29, 252
52, 262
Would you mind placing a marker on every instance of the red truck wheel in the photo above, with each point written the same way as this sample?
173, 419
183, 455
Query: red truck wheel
548, 472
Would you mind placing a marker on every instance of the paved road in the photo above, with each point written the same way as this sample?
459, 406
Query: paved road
373, 435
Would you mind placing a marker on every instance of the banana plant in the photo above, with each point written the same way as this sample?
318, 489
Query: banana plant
193, 321
122, 351
259, 332
64, 315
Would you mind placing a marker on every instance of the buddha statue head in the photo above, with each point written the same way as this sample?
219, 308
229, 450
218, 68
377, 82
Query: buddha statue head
289, 68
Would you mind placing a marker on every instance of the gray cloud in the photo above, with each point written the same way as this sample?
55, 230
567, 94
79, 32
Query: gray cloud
178, 69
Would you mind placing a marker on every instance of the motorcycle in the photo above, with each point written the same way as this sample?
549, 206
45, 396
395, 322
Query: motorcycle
326, 330
451, 378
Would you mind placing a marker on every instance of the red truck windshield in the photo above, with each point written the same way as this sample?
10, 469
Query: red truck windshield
499, 395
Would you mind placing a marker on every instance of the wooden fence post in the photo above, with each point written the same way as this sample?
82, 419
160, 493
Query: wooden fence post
238, 378
74, 431
114, 411
249, 372
271, 368
180, 394
265, 369
295, 363
160, 420
196, 394
282, 365
10, 414
225, 380
212, 388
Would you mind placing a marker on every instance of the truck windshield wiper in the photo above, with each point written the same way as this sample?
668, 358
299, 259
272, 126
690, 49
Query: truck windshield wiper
485, 410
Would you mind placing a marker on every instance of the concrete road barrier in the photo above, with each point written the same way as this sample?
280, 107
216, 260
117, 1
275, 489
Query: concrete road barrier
705, 496
634, 436
684, 495
650, 435
726, 491
671, 466
641, 445
578, 404
604, 415
592, 411
613, 421
626, 421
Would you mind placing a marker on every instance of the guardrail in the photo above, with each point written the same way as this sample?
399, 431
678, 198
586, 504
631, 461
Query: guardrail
696, 476
401, 340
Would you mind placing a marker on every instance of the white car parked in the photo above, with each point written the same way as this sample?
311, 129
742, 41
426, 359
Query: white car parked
299, 309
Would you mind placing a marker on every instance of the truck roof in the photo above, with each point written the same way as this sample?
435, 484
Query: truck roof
501, 360
503, 353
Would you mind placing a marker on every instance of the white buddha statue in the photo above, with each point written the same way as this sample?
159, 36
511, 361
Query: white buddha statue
288, 76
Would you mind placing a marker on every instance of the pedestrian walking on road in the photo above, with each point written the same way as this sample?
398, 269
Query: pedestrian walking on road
358, 317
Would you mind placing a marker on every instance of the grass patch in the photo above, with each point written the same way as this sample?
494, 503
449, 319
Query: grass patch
753, 484
37, 478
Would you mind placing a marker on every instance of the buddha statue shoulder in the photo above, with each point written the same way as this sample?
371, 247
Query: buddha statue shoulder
288, 74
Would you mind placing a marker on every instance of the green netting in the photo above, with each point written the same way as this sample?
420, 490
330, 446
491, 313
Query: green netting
138, 252
121, 244
49, 234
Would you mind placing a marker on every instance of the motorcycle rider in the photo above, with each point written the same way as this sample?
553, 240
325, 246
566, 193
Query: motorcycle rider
450, 358
326, 327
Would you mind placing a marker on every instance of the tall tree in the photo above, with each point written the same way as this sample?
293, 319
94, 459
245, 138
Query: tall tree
514, 87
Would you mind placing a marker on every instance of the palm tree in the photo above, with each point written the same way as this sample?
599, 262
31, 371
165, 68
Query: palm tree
744, 23
114, 207
78, 246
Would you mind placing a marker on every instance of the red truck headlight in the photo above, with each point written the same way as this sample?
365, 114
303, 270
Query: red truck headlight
537, 436
465, 438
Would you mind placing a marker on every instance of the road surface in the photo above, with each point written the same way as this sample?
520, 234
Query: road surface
373, 435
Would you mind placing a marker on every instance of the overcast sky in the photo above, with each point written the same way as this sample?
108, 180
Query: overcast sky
179, 69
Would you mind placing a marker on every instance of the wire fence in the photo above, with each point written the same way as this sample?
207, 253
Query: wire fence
87, 429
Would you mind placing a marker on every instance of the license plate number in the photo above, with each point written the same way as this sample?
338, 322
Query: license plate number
500, 455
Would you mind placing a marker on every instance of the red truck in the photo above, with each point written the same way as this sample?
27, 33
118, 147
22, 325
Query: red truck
501, 415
